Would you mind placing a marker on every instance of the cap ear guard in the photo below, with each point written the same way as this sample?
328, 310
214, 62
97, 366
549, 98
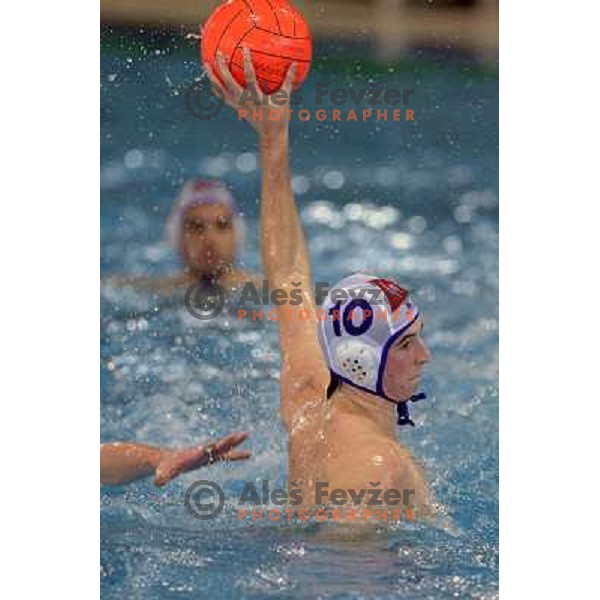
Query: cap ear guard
359, 330
356, 361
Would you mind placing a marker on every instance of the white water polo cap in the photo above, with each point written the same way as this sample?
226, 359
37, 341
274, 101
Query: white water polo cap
364, 316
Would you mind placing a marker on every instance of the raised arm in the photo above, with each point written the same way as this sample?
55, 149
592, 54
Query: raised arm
283, 246
123, 462
284, 250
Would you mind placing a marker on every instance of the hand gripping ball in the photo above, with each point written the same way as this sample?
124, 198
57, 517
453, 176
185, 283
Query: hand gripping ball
274, 30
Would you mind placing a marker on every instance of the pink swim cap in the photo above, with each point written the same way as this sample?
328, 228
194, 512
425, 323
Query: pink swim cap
194, 193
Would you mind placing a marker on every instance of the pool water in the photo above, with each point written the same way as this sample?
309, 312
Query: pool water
414, 201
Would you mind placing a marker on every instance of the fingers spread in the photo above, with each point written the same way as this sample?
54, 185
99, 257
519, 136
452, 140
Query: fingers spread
213, 78
233, 455
289, 78
249, 72
232, 87
211, 74
230, 441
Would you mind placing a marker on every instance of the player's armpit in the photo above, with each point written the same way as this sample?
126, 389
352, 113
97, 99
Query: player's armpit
304, 372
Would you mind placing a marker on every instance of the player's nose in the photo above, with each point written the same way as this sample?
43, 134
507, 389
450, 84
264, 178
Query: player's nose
423, 354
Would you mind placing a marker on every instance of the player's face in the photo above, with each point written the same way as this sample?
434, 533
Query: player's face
405, 363
209, 240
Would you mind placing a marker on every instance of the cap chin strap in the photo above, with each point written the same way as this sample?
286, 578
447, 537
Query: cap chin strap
401, 407
403, 411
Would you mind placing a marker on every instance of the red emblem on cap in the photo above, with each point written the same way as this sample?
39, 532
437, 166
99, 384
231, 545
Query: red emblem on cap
395, 294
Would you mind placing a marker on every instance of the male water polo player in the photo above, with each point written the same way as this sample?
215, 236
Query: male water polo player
206, 230
345, 381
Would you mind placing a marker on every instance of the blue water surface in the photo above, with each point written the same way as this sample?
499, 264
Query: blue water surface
414, 201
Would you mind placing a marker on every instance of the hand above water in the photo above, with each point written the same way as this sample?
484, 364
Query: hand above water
124, 462
268, 114
177, 461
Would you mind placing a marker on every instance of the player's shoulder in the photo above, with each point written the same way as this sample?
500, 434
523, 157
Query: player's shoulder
369, 458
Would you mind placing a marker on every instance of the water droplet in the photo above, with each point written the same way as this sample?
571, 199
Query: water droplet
334, 180
402, 241
453, 244
134, 159
463, 214
246, 162
300, 184
417, 224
